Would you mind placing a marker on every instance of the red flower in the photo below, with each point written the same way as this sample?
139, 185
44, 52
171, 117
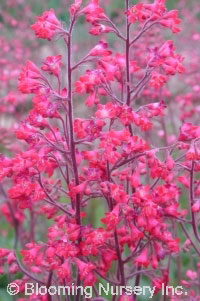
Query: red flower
99, 29
92, 99
93, 12
100, 50
74, 8
81, 189
196, 206
88, 128
156, 109
155, 11
166, 57
191, 274
118, 194
29, 78
32, 256
157, 80
64, 271
171, 20
44, 107
47, 25
106, 111
112, 218
86, 272
142, 259
189, 132
137, 13
89, 81
135, 179
135, 233
4, 252
52, 65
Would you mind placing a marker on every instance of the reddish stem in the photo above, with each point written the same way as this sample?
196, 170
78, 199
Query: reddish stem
128, 94
72, 143
194, 225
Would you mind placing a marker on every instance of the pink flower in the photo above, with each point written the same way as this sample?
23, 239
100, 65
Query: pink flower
99, 29
92, 99
191, 274
142, 259
93, 12
171, 20
64, 271
157, 80
189, 132
106, 111
29, 78
112, 218
100, 50
86, 272
74, 8
47, 25
196, 206
52, 65
4, 252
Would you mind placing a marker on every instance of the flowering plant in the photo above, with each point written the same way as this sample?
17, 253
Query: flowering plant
112, 155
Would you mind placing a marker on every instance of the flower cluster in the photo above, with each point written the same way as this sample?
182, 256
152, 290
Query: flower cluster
113, 155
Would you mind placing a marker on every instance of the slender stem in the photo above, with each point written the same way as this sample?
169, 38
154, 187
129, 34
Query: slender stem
154, 183
166, 283
120, 261
71, 128
55, 147
71, 132
135, 252
105, 278
138, 272
14, 220
188, 236
80, 62
15, 224
49, 298
116, 30
142, 31
32, 225
50, 199
137, 280
194, 225
65, 130
59, 166
128, 94
141, 81
23, 270
127, 161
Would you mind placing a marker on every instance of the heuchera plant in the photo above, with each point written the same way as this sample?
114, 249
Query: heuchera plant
109, 156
